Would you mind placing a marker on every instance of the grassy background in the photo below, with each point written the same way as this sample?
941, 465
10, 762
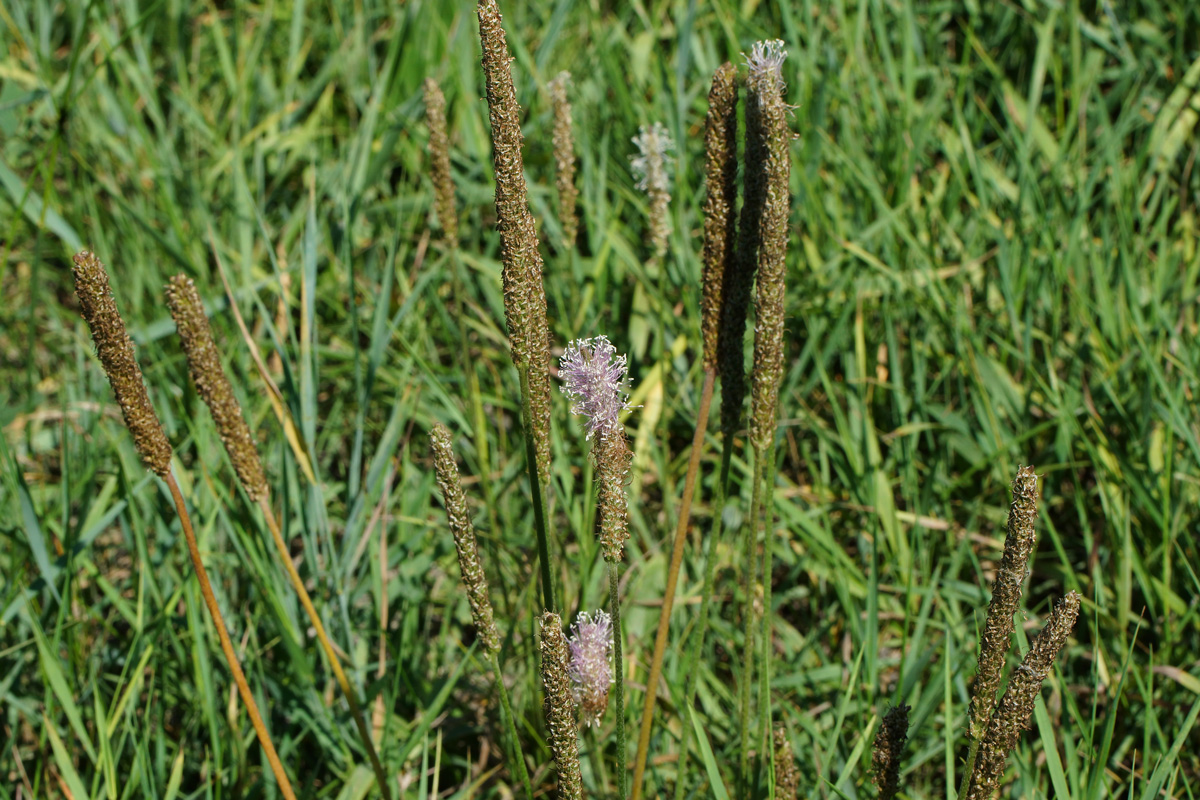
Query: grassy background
994, 262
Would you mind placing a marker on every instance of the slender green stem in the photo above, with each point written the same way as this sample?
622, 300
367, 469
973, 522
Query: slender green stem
668, 601
518, 757
969, 767
614, 609
764, 667
697, 643
749, 541
538, 491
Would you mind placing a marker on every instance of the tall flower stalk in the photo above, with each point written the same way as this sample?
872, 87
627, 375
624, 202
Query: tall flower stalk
889, 745
204, 365
765, 100
561, 729
1011, 716
524, 292
720, 224
474, 580
564, 157
596, 380
650, 166
995, 640
439, 161
114, 348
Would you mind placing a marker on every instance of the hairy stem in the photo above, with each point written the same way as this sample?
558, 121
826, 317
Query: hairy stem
614, 609
764, 667
331, 655
239, 677
668, 601
518, 757
697, 644
537, 490
749, 541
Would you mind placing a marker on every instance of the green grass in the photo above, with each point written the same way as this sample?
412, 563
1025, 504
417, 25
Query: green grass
994, 262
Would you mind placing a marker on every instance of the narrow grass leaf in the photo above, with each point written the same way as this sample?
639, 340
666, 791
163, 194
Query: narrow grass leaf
710, 762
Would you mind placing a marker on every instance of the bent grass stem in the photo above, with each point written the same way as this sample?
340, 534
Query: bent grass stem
749, 541
239, 677
668, 601
517, 755
614, 610
710, 563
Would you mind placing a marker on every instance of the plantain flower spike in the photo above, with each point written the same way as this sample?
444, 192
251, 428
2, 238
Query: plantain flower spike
787, 774
596, 380
524, 293
114, 348
591, 646
455, 500
439, 160
562, 730
564, 157
1006, 597
204, 365
649, 165
765, 90
889, 745
1012, 715
720, 202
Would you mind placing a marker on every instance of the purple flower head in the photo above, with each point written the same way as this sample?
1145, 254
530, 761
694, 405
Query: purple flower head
596, 381
591, 646
766, 60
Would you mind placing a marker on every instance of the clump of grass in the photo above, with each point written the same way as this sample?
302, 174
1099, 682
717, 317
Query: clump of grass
115, 351
213, 386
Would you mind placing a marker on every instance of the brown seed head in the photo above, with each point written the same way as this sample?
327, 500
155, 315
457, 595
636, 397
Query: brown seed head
889, 745
741, 269
765, 101
459, 520
114, 348
720, 201
787, 774
204, 364
524, 293
1012, 715
564, 157
561, 728
1006, 597
439, 160
613, 459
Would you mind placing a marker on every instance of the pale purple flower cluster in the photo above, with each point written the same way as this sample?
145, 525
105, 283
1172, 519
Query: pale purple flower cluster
766, 60
653, 144
596, 381
591, 646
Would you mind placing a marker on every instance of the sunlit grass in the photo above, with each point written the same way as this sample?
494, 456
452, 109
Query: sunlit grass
993, 263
